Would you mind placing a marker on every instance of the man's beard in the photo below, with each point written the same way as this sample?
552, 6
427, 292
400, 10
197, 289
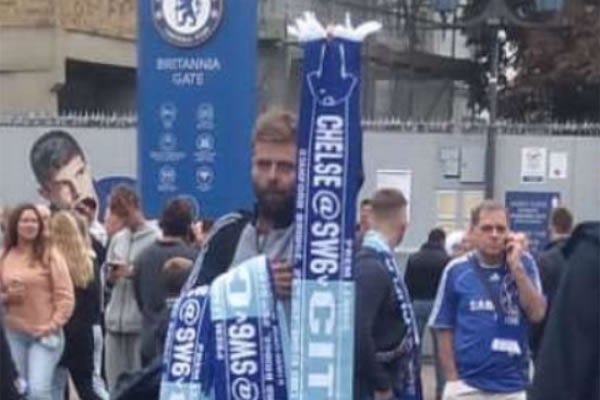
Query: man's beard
274, 204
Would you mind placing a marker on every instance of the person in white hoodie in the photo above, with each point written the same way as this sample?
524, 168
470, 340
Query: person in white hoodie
123, 317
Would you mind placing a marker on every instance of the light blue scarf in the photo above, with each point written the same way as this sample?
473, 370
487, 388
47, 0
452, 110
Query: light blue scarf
410, 388
226, 342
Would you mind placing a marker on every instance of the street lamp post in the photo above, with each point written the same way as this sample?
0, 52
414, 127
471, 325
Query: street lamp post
496, 15
490, 139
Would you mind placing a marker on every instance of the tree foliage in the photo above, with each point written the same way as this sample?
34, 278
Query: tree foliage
556, 70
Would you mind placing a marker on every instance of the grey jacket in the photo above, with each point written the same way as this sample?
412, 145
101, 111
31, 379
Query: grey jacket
122, 313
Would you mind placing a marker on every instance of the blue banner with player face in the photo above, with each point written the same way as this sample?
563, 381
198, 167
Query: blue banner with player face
196, 102
329, 175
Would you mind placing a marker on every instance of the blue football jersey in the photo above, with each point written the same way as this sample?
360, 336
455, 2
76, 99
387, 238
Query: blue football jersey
490, 346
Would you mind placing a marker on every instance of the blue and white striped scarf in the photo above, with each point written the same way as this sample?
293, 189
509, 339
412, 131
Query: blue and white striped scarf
329, 176
410, 388
226, 342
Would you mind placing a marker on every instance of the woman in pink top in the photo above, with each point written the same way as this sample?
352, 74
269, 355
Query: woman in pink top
37, 293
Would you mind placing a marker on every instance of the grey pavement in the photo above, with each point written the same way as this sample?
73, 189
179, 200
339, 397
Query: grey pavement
428, 379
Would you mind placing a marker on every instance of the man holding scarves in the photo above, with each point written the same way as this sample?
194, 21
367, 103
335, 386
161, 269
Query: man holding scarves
230, 340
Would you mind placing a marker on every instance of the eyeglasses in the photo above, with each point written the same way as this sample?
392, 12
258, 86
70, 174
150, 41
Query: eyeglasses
500, 229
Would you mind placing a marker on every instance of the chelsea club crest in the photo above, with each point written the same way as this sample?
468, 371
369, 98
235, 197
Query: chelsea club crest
187, 23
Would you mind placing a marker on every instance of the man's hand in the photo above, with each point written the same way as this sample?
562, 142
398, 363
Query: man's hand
530, 297
383, 394
117, 271
198, 233
514, 251
282, 277
41, 331
15, 292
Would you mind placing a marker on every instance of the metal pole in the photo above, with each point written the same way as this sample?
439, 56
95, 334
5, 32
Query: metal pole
490, 150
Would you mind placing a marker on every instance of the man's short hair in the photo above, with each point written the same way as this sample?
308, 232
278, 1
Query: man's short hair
385, 202
365, 202
487, 206
437, 235
562, 220
122, 197
52, 151
275, 126
177, 217
175, 272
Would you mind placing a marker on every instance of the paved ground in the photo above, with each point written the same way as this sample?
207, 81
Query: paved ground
428, 378
427, 375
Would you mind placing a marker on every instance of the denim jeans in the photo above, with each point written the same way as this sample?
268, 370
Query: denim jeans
59, 383
36, 361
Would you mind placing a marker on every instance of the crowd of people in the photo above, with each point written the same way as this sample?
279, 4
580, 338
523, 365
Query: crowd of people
92, 303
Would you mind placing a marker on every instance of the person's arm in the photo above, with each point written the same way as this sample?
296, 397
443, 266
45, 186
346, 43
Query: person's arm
445, 338
443, 321
531, 300
62, 296
530, 292
372, 289
136, 278
4, 298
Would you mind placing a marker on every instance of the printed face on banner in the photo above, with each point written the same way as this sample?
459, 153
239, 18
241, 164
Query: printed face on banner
274, 175
60, 165
187, 23
71, 184
61, 169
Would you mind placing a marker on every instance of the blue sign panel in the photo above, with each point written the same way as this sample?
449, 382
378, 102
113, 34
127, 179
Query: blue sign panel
529, 212
196, 102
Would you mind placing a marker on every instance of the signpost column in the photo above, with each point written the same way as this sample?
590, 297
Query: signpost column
196, 102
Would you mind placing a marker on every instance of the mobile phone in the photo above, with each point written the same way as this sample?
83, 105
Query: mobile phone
509, 245
112, 265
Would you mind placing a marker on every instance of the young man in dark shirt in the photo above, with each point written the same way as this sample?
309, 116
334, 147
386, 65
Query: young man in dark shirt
423, 273
383, 330
552, 263
150, 292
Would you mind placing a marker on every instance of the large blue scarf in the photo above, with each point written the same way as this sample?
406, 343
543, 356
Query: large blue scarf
410, 387
225, 342
329, 176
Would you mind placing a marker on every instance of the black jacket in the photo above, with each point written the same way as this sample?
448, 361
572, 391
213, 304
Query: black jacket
551, 263
424, 271
150, 293
568, 365
378, 325
222, 243
220, 247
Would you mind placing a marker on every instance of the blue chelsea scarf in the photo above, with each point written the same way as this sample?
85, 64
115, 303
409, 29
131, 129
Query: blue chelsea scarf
329, 176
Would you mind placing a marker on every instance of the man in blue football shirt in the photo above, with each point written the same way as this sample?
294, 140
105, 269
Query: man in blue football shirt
485, 302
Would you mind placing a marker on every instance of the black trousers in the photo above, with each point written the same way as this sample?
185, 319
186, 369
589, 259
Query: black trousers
78, 359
